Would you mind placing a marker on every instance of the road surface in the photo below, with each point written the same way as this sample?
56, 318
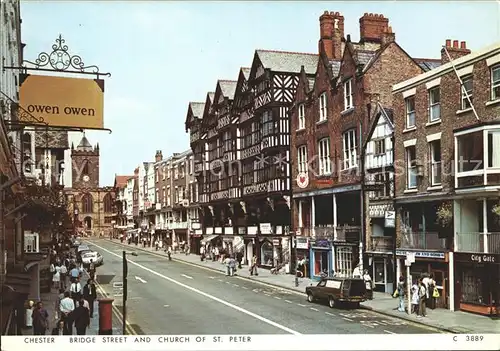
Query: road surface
170, 297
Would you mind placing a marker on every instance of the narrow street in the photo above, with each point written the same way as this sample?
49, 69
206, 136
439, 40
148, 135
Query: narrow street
169, 297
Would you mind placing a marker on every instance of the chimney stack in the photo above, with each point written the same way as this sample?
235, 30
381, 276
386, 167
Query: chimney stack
331, 25
388, 36
372, 26
158, 156
456, 51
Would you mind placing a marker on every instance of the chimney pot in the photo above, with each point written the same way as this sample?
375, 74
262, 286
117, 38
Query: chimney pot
448, 43
463, 45
455, 44
326, 13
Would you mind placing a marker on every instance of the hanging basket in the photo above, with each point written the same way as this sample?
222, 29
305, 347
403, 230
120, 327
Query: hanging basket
496, 212
445, 214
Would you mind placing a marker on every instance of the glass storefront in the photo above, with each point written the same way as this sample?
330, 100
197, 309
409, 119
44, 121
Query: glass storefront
266, 254
479, 285
321, 262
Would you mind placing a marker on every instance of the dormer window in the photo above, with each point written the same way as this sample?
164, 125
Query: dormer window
348, 103
302, 116
322, 107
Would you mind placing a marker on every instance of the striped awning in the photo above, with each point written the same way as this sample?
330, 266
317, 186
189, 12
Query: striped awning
209, 238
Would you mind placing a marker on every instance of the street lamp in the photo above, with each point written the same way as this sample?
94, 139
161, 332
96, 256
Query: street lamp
125, 287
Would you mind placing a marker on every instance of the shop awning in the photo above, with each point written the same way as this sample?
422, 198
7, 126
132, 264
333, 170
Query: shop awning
209, 238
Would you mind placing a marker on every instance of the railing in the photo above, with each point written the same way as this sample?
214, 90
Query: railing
177, 225
382, 243
339, 233
423, 241
477, 242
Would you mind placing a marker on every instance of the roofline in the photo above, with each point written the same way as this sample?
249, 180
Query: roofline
447, 68
287, 52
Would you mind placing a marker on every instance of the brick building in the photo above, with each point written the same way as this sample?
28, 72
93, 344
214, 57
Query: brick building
447, 131
331, 118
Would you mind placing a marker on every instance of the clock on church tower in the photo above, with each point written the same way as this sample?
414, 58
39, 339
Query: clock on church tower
85, 164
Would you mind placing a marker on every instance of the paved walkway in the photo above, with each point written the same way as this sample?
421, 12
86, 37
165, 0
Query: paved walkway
454, 322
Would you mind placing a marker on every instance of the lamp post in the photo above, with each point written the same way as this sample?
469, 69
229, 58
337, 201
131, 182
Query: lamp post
125, 288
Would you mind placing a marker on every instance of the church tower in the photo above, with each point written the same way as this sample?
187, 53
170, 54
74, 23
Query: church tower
85, 165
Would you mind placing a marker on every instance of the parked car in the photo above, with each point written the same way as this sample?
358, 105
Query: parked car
76, 242
338, 290
95, 256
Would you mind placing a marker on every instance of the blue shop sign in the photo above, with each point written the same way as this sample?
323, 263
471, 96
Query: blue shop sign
422, 254
321, 243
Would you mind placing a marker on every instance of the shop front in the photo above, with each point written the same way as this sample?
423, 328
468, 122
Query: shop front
266, 251
381, 268
321, 259
195, 241
428, 262
477, 283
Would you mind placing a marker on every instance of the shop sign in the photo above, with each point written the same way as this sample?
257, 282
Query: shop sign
302, 243
62, 101
265, 228
321, 243
302, 180
421, 254
390, 219
276, 242
477, 258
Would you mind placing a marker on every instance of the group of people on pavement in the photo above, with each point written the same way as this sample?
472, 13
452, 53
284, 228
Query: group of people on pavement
74, 306
423, 294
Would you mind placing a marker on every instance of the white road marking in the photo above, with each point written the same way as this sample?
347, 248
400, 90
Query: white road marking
389, 332
267, 295
288, 301
314, 309
347, 319
211, 297
140, 279
187, 276
166, 305
228, 282
383, 322
277, 298
369, 324
244, 287
220, 280
236, 285
134, 298
301, 305
212, 277
330, 314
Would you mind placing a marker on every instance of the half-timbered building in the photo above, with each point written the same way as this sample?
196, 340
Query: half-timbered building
264, 152
378, 173
331, 117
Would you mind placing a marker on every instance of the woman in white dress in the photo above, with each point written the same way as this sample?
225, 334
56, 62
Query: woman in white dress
56, 278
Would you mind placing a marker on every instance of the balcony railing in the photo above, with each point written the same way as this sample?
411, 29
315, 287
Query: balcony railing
339, 233
477, 242
423, 241
382, 243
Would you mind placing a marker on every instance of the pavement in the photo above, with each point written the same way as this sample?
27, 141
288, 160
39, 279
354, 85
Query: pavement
49, 303
180, 297
382, 304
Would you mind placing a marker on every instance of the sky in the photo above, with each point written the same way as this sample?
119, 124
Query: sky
164, 54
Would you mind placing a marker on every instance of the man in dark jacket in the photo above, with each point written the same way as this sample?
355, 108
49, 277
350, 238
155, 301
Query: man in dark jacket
90, 294
40, 319
60, 329
81, 318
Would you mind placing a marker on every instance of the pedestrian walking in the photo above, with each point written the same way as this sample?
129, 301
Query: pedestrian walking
202, 253
368, 284
59, 329
401, 294
63, 272
239, 258
66, 307
92, 269
40, 318
422, 292
253, 266
414, 297
232, 266
433, 292
90, 295
76, 291
56, 277
58, 302
81, 318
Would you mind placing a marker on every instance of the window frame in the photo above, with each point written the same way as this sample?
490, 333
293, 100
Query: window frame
302, 116
325, 162
348, 95
434, 104
349, 149
409, 166
494, 85
410, 113
433, 162
464, 102
323, 107
302, 159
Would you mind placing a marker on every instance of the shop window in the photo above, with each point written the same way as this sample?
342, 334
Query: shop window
378, 272
321, 262
266, 254
344, 261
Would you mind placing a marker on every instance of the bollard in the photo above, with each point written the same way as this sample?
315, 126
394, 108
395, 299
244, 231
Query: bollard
105, 316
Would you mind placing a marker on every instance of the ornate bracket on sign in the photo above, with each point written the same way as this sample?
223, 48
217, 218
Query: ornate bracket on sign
60, 60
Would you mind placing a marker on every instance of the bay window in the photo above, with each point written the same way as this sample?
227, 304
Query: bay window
302, 158
349, 146
494, 149
325, 164
411, 167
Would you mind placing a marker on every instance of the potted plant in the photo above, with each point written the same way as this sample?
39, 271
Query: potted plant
496, 212
445, 214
